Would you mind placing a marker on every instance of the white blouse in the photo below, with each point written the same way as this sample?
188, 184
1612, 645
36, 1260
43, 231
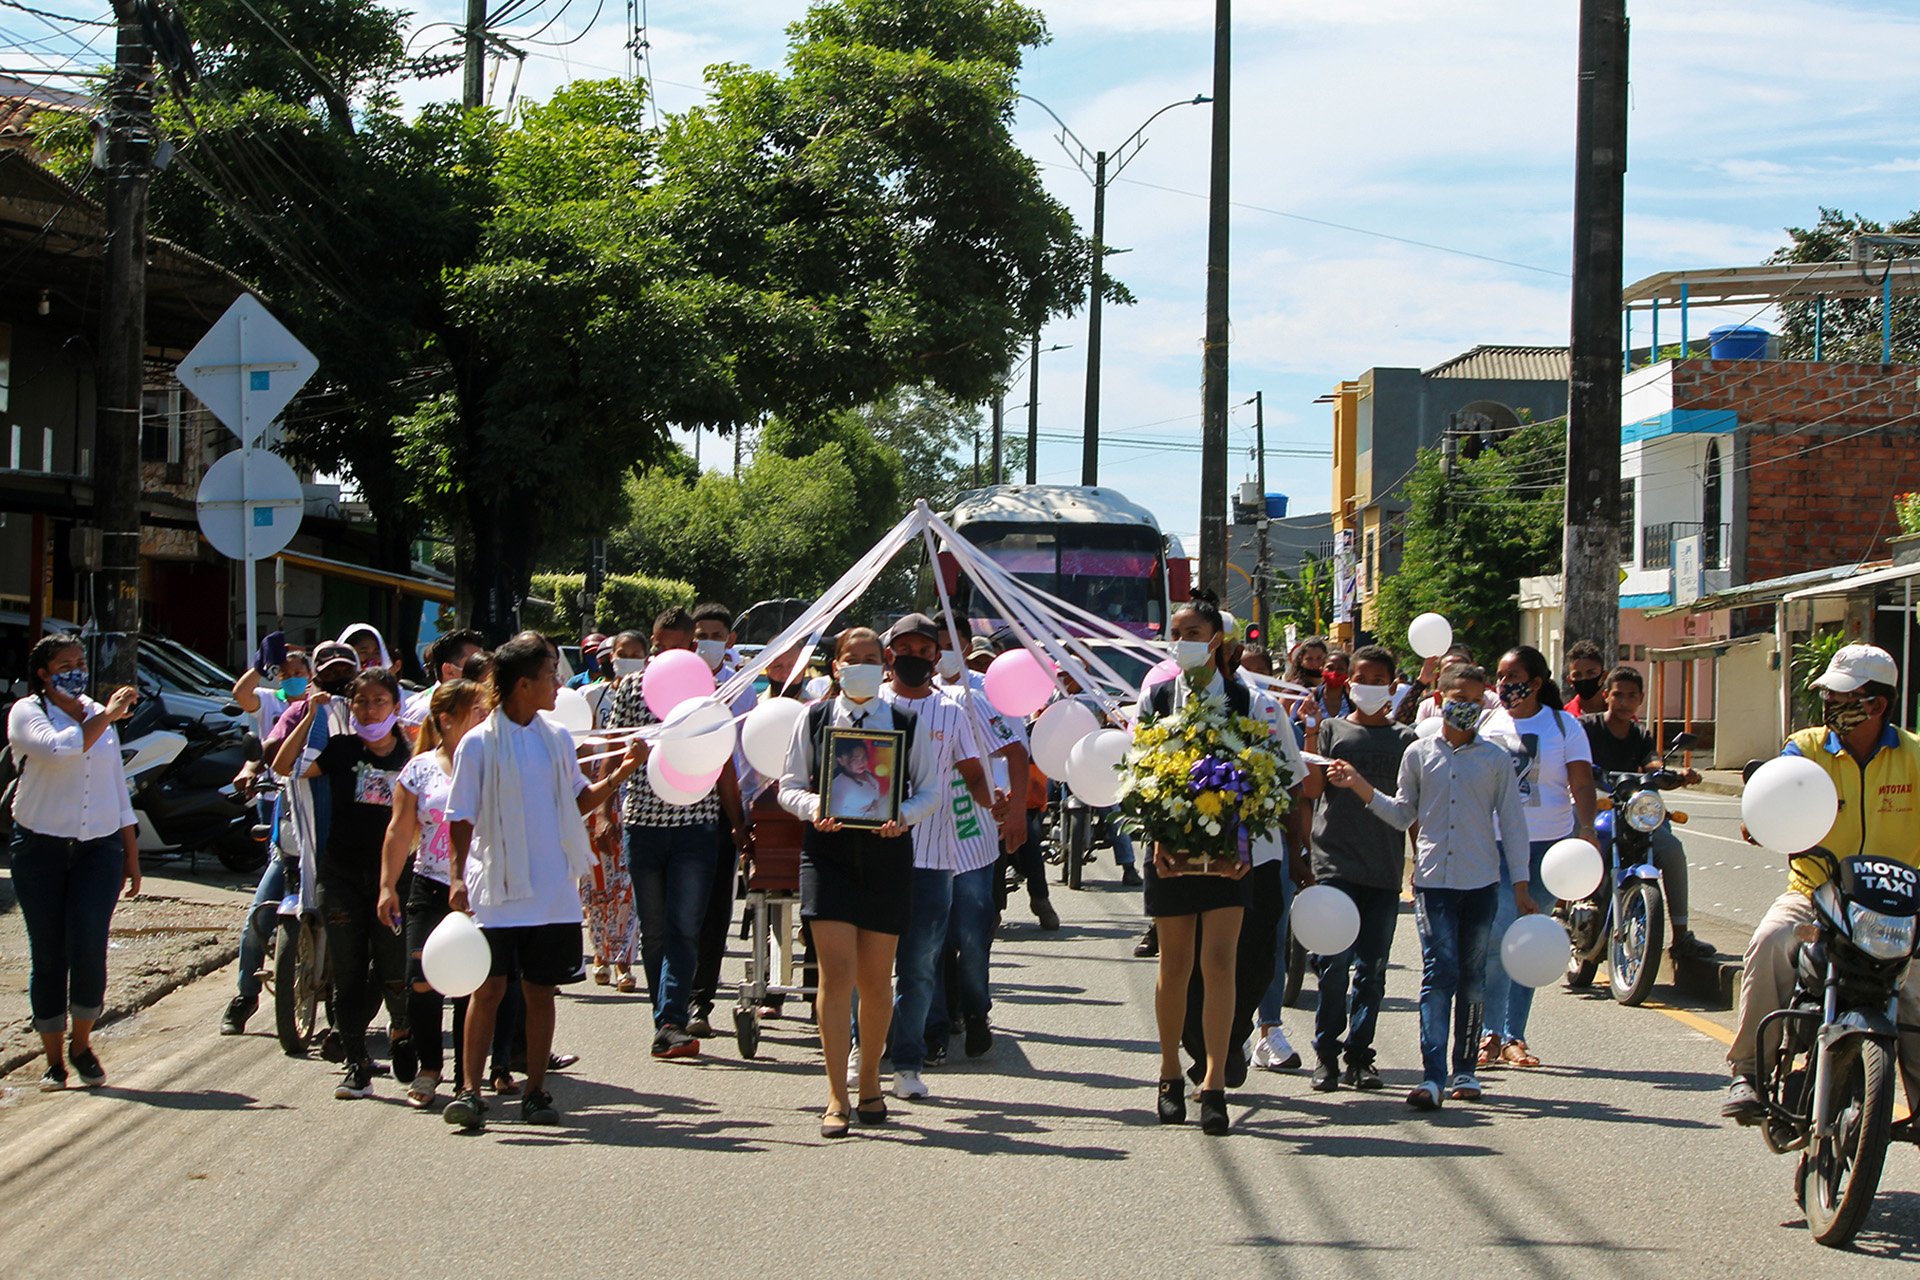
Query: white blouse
797, 795
64, 791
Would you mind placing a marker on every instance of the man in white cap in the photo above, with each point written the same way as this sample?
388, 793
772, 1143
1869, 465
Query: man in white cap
1875, 768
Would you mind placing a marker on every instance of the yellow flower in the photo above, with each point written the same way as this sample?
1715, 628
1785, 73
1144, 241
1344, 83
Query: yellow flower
1211, 804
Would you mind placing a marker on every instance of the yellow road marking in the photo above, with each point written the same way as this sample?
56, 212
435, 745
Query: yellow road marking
1693, 1020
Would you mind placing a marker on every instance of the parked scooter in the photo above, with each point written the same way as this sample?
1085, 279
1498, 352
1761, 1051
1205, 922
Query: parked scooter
297, 969
1626, 924
184, 801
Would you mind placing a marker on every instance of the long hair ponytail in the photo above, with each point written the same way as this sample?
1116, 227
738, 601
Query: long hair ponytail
1537, 666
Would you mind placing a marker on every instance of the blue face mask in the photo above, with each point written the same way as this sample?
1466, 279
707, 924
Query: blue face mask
293, 687
73, 682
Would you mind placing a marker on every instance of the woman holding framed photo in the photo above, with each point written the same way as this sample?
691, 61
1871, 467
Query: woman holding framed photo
856, 773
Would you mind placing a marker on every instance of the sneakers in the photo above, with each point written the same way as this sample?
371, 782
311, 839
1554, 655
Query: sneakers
853, 1067
1130, 876
1688, 945
1362, 1075
234, 1021
1043, 912
699, 1027
467, 1111
1326, 1078
1425, 1097
908, 1084
332, 1047
1465, 1087
1149, 944
53, 1080
406, 1059
936, 1053
1743, 1105
537, 1108
357, 1083
1274, 1052
672, 1042
86, 1064
979, 1036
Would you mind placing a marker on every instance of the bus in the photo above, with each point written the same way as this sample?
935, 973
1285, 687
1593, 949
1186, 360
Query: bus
1090, 546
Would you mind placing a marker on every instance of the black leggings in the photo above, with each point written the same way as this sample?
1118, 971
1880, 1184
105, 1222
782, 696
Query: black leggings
426, 908
368, 959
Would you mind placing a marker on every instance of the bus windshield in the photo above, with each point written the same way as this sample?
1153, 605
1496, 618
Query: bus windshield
1111, 571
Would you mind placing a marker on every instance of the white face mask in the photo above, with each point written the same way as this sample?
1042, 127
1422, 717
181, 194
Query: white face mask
624, 667
861, 681
952, 664
712, 652
1192, 655
1370, 698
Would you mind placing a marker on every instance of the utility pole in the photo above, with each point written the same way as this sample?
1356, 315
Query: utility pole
120, 379
1090, 428
998, 452
976, 459
474, 91
1213, 396
1591, 552
1263, 564
1033, 410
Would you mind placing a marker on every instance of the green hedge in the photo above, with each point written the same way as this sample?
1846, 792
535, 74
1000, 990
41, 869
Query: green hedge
626, 601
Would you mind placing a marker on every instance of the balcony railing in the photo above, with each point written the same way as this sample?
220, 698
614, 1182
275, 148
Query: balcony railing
1656, 543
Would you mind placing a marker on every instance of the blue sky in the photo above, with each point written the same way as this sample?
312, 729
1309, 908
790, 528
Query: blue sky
1444, 122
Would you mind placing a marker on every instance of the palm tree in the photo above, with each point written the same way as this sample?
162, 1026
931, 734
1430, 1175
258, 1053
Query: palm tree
1305, 598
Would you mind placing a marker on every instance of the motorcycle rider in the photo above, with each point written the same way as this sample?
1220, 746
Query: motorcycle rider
1876, 769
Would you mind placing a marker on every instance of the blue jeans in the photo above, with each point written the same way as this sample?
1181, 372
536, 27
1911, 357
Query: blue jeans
672, 869
970, 936
1454, 926
1366, 959
260, 925
1509, 1003
1121, 837
917, 966
1274, 1001
67, 891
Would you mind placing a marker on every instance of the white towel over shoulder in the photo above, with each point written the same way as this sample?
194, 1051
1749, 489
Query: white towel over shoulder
501, 844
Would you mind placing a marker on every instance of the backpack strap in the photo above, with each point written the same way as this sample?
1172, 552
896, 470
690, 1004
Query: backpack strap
1239, 697
817, 732
908, 722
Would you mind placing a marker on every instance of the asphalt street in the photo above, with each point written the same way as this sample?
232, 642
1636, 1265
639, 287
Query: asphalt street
218, 1157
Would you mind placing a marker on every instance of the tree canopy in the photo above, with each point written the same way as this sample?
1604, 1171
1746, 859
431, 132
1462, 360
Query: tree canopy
1850, 327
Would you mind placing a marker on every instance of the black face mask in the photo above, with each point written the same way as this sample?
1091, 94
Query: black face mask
1588, 688
915, 673
336, 687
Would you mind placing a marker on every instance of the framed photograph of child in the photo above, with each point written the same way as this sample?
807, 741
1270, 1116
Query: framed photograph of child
861, 784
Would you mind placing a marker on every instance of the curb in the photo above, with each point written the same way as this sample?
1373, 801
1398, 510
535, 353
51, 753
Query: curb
1714, 981
1716, 788
218, 958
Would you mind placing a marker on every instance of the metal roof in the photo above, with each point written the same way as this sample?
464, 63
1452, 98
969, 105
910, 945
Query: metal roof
1753, 594
1052, 503
1847, 586
1774, 282
1509, 363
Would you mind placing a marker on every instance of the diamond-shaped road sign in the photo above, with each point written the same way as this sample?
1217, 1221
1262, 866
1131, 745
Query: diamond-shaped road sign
246, 368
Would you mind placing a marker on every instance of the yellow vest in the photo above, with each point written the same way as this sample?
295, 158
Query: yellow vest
1879, 801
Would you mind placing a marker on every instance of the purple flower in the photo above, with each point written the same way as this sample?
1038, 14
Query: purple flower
1210, 773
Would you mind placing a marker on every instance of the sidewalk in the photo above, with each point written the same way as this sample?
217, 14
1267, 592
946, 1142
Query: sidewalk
183, 924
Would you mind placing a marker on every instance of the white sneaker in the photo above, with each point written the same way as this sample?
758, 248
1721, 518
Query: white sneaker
1259, 1052
1281, 1055
853, 1068
908, 1084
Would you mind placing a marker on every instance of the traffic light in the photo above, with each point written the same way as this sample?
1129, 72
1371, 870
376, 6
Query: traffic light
1256, 634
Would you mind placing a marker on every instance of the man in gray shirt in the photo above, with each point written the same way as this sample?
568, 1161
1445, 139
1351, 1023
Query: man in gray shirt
1363, 856
1455, 786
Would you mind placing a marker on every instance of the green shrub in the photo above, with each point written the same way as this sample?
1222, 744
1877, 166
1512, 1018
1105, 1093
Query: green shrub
627, 601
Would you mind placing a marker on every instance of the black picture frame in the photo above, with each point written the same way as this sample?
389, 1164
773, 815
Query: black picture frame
868, 799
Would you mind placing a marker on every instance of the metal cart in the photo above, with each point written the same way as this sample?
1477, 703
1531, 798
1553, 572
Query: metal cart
773, 902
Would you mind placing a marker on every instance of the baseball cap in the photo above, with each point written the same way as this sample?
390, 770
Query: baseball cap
981, 644
329, 652
1857, 664
592, 641
914, 624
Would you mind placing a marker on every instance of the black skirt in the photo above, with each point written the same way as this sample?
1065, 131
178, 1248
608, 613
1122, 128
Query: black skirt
857, 878
1191, 894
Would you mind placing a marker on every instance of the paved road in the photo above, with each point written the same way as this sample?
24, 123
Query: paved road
221, 1157
1732, 882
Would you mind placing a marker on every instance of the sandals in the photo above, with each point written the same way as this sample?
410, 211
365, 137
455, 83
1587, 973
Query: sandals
421, 1092
872, 1110
503, 1083
834, 1124
1173, 1101
1489, 1050
1515, 1054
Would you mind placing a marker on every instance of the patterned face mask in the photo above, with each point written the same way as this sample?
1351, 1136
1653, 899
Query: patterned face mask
1462, 717
1844, 717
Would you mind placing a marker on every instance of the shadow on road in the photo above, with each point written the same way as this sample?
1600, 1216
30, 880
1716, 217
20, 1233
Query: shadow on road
192, 1100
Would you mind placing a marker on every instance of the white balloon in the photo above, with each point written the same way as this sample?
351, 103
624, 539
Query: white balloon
1534, 952
1789, 804
697, 736
672, 792
456, 958
767, 732
1571, 869
1059, 728
573, 711
1429, 635
1093, 764
1428, 728
1325, 920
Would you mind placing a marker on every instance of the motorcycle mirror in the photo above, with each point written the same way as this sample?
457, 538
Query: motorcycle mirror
231, 709
1749, 769
1681, 741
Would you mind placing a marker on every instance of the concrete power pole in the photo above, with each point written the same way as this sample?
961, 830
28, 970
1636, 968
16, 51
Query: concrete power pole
1592, 548
1033, 409
120, 379
474, 90
1097, 284
1213, 395
1263, 570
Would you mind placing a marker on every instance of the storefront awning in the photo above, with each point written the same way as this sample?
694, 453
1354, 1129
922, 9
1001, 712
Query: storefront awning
1891, 574
406, 585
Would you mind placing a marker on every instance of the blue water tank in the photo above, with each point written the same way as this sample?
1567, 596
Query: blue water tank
1738, 342
1276, 506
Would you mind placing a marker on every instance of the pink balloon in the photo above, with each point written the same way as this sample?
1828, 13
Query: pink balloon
672, 678
1017, 685
688, 781
1162, 671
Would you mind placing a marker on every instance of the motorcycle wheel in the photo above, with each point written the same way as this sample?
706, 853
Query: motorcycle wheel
1079, 836
239, 851
1580, 974
298, 984
1633, 954
1839, 1174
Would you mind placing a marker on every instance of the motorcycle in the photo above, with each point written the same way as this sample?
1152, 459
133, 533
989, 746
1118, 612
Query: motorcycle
1626, 924
297, 969
1828, 1083
187, 803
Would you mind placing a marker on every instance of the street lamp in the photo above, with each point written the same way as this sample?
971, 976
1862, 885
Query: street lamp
1100, 176
1032, 361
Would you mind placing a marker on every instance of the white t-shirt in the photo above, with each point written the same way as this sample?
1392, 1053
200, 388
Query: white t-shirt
1542, 746
1267, 707
431, 787
946, 727
555, 898
979, 834
272, 707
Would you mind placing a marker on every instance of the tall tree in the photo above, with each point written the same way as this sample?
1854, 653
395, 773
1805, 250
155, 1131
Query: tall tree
1850, 327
